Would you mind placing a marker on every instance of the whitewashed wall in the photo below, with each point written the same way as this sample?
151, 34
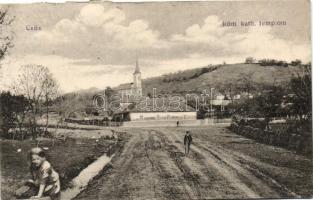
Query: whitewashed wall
163, 116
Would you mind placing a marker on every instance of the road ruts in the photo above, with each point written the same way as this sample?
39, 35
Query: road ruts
222, 183
152, 165
148, 168
241, 170
175, 182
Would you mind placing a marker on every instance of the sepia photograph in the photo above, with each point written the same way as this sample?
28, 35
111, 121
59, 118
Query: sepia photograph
156, 100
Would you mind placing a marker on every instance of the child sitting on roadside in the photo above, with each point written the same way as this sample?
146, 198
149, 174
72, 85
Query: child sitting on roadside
45, 180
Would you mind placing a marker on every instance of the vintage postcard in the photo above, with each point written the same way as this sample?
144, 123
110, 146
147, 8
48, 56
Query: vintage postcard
156, 100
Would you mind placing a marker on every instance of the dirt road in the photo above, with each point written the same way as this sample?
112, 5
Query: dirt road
152, 165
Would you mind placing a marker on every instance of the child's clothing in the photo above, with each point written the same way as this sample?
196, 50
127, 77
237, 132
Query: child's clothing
46, 175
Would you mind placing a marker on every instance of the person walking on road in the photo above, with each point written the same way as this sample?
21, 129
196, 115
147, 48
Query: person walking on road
187, 142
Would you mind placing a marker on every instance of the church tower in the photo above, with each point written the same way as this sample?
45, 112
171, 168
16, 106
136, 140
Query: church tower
137, 80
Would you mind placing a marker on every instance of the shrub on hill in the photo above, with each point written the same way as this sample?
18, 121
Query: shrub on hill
273, 62
187, 75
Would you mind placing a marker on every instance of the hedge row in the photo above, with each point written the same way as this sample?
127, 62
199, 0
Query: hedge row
300, 143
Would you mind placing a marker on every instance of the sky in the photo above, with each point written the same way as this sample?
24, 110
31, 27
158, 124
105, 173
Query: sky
96, 45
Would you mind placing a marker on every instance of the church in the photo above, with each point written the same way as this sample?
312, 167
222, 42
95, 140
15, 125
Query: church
131, 90
132, 97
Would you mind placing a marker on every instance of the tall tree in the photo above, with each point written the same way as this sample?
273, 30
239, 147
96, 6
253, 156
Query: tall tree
50, 91
36, 83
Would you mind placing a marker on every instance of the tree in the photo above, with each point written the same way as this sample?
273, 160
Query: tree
112, 100
245, 83
301, 100
296, 62
50, 91
109, 92
266, 105
12, 111
6, 36
249, 60
229, 89
270, 102
273, 62
36, 83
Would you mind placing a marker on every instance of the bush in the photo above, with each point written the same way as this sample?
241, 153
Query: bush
17, 135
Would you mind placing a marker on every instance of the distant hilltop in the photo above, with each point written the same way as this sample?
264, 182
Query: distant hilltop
221, 77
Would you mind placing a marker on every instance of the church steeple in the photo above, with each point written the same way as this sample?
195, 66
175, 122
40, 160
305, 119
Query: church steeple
137, 80
137, 70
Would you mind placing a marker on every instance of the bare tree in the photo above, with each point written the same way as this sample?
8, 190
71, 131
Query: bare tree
6, 34
36, 83
50, 92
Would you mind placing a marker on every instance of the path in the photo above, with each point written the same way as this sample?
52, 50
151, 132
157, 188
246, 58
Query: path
152, 165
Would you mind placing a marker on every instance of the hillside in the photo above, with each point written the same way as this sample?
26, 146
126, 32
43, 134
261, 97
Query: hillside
220, 77
228, 79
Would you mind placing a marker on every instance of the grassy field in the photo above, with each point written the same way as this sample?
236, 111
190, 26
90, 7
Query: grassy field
68, 157
225, 74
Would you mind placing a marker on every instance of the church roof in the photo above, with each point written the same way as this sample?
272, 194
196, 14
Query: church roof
124, 86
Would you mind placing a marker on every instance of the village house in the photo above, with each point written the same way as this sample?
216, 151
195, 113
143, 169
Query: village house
220, 101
